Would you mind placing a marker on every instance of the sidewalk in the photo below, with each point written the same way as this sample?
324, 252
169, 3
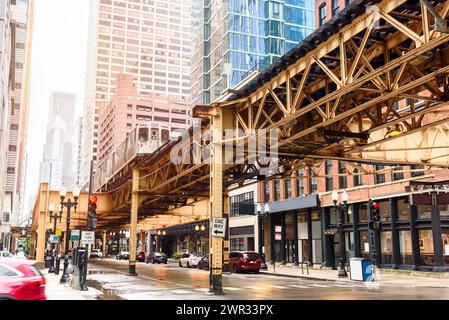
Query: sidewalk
384, 277
56, 291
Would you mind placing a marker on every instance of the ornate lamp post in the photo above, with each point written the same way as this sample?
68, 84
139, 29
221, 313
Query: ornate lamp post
263, 216
341, 209
54, 217
68, 204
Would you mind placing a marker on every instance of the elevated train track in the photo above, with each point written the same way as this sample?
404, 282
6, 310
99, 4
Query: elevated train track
371, 86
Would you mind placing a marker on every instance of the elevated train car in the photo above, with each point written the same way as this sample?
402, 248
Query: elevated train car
143, 140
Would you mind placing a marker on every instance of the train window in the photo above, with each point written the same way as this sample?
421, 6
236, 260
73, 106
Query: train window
165, 135
143, 134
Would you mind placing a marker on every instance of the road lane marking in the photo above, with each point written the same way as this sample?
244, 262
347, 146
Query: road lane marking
253, 287
202, 289
319, 286
277, 287
298, 286
232, 288
181, 291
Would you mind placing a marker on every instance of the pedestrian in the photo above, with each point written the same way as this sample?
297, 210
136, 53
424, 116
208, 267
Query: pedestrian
1, 246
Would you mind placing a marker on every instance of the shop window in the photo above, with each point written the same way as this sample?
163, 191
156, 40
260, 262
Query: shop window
444, 210
333, 216
384, 210
445, 237
403, 210
426, 247
349, 217
349, 244
424, 211
405, 247
363, 213
386, 247
364, 244
237, 244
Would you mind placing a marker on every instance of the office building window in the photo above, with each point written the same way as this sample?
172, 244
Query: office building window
300, 182
244, 198
342, 180
322, 14
419, 172
335, 7
288, 188
277, 192
329, 178
379, 177
267, 191
397, 174
312, 182
358, 181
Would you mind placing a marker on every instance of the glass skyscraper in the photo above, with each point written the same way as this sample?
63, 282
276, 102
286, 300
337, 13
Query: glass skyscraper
232, 38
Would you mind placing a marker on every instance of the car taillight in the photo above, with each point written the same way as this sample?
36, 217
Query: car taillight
244, 260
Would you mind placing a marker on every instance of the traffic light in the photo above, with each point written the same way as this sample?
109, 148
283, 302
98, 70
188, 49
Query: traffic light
375, 209
92, 212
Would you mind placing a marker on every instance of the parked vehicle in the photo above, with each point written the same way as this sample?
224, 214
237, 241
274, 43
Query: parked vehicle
6, 254
21, 280
244, 261
123, 255
189, 260
140, 256
204, 263
157, 257
96, 253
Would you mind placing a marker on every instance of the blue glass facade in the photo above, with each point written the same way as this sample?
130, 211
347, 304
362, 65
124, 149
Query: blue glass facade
252, 35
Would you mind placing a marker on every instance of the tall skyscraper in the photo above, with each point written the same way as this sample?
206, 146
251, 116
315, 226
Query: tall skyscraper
150, 40
60, 151
20, 16
5, 63
235, 37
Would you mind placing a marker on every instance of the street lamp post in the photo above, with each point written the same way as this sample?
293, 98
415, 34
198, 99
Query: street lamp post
199, 231
54, 217
263, 216
341, 209
68, 204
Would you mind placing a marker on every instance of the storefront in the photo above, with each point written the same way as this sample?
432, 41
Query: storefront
414, 231
296, 230
188, 237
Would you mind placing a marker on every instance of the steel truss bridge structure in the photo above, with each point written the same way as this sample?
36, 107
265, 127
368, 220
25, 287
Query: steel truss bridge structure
371, 85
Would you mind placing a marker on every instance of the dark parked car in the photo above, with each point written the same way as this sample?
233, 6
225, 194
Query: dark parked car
244, 261
204, 263
140, 256
123, 255
157, 257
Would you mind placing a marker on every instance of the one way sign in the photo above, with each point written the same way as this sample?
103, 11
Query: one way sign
218, 227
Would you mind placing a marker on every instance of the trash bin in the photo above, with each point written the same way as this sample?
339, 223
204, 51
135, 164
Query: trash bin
47, 262
361, 269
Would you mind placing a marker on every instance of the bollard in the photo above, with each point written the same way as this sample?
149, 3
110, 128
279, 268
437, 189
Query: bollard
58, 264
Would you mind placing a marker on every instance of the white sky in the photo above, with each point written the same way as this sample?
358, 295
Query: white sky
58, 64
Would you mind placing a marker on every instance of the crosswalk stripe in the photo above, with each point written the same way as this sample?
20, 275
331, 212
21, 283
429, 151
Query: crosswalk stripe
181, 291
232, 288
202, 289
277, 287
298, 286
319, 286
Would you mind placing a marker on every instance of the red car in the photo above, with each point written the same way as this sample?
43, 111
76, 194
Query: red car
244, 261
140, 256
21, 280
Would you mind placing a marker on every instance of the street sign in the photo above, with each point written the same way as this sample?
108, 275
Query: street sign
218, 227
54, 238
58, 231
88, 237
75, 235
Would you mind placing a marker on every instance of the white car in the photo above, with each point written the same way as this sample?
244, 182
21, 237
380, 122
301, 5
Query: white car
189, 260
6, 254
96, 253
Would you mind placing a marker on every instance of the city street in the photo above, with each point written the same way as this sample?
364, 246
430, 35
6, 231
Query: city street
174, 283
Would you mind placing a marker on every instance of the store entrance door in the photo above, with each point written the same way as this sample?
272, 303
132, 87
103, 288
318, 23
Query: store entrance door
290, 250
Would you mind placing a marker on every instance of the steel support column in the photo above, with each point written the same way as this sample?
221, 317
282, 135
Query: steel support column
133, 226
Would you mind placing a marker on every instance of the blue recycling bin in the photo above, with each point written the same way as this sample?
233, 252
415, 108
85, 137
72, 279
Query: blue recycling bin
361, 269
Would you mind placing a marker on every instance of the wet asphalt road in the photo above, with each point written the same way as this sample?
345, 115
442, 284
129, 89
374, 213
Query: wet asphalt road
170, 282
